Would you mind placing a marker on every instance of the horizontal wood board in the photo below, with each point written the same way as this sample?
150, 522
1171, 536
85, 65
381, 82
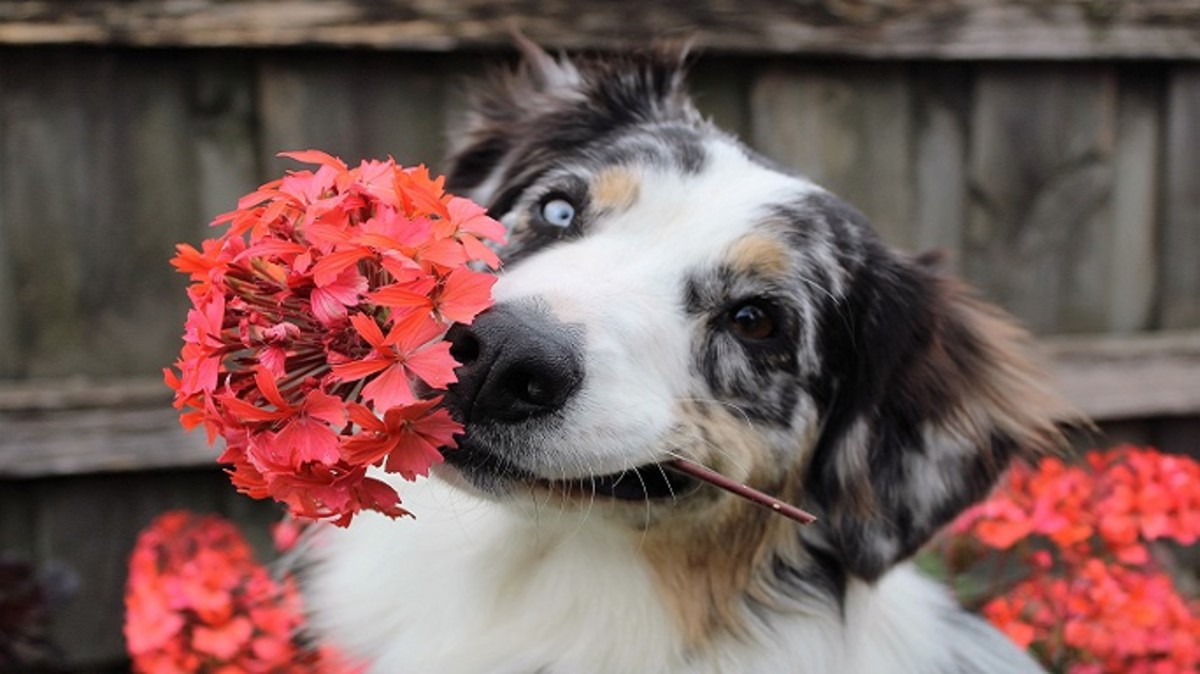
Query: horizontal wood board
940, 29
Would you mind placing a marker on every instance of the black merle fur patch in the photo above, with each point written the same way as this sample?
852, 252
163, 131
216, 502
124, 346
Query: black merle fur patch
608, 110
900, 358
761, 377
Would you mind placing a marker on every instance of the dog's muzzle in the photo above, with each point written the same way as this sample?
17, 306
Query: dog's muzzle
518, 363
520, 368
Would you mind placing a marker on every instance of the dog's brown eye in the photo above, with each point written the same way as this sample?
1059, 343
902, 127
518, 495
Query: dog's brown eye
752, 321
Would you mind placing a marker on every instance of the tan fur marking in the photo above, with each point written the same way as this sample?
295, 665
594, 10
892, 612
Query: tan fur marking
710, 559
712, 553
758, 254
615, 189
708, 568
1006, 390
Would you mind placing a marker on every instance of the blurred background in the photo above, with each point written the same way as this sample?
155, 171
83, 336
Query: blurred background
1051, 148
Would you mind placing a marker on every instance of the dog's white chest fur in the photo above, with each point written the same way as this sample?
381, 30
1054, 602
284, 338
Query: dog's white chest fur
472, 587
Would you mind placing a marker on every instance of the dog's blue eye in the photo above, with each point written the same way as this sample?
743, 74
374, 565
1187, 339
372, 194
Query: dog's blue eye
558, 212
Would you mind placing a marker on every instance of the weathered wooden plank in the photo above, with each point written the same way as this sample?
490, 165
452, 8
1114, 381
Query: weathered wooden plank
45, 136
1134, 260
941, 101
1038, 237
10, 354
970, 29
1112, 378
98, 440
848, 128
1181, 207
98, 188
75, 426
353, 105
18, 518
224, 137
48, 395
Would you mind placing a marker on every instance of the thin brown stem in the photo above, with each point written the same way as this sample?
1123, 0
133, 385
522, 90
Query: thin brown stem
753, 495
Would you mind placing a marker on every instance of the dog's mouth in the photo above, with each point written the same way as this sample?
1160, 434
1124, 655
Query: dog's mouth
493, 473
648, 482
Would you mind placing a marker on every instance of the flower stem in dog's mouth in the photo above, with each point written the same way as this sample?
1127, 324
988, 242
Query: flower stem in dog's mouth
750, 494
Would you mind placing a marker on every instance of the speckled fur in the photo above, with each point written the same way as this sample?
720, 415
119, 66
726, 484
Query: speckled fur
885, 399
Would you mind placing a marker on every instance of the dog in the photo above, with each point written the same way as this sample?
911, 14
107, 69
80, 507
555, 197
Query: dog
668, 293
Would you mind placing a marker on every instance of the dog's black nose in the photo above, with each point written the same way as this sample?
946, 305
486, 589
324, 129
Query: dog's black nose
517, 363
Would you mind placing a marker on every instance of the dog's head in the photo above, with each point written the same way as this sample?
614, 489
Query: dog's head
668, 293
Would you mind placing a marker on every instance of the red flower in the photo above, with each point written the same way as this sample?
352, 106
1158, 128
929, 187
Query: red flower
408, 436
330, 288
330, 299
463, 295
406, 352
300, 434
1094, 599
197, 601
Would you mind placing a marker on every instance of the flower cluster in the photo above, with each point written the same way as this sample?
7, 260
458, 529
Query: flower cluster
315, 338
1093, 597
197, 601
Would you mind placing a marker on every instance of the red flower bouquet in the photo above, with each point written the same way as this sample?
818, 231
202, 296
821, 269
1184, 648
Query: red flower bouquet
314, 317
197, 601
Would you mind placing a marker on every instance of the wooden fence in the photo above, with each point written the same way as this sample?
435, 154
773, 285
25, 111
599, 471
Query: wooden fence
1052, 148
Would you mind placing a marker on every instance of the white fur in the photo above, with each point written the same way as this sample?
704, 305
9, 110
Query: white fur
516, 587
623, 282
473, 586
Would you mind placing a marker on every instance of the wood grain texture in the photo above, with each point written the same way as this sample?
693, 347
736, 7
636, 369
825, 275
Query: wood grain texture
1117, 378
1038, 238
1133, 264
98, 440
78, 427
945, 29
10, 356
224, 133
848, 128
1180, 270
102, 175
353, 105
47, 138
941, 100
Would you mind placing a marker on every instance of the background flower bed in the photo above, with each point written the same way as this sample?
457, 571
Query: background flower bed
1073, 561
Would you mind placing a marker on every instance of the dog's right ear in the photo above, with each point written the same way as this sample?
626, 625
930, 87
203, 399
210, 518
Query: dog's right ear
530, 120
498, 108
931, 393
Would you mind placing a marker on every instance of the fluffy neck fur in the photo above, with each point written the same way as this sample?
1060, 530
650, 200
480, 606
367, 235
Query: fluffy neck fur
472, 586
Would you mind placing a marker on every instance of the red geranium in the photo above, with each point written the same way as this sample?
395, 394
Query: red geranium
197, 601
314, 344
1093, 596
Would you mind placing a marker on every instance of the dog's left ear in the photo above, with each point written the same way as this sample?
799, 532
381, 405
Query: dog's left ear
931, 394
